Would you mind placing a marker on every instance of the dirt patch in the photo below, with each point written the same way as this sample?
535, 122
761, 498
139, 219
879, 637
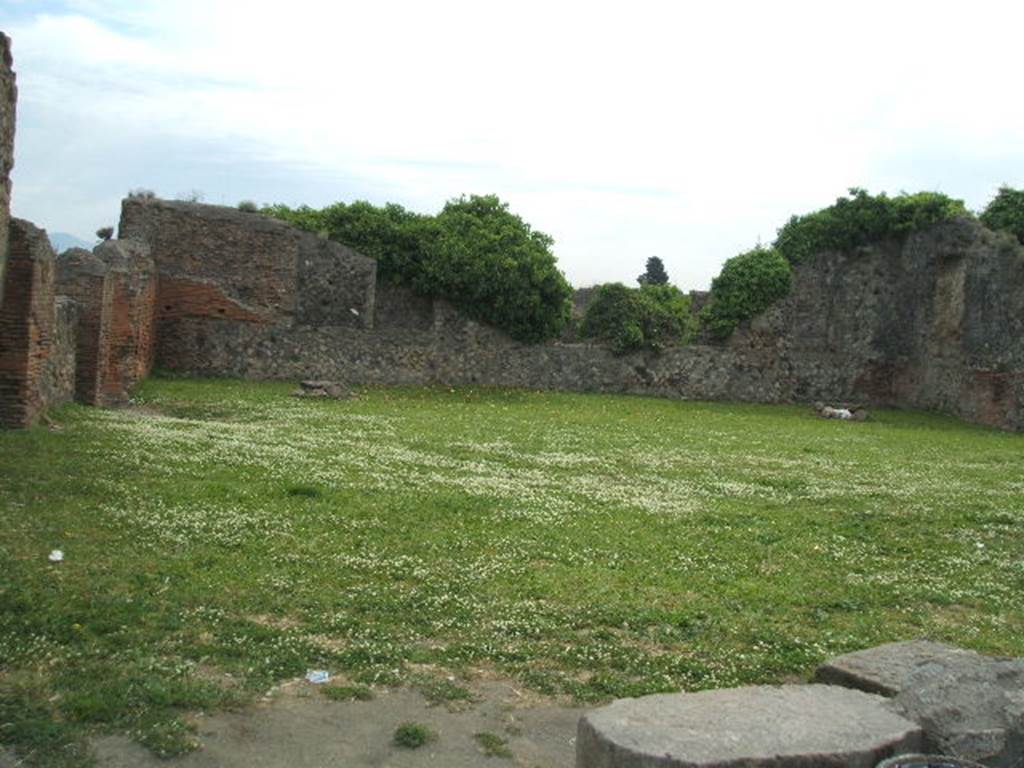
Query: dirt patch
299, 728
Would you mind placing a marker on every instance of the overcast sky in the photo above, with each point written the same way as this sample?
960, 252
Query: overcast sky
689, 131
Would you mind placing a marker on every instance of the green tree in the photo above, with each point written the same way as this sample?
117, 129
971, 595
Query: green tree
747, 285
654, 274
630, 319
498, 269
1006, 212
398, 239
477, 254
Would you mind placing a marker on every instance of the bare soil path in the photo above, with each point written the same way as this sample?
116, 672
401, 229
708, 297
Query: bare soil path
299, 728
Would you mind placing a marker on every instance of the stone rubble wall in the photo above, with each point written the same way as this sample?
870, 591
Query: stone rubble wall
933, 322
85, 279
57, 384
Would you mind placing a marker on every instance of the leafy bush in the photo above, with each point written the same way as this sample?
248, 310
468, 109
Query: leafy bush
747, 285
248, 206
105, 233
1006, 212
637, 318
476, 253
398, 239
140, 193
860, 219
496, 268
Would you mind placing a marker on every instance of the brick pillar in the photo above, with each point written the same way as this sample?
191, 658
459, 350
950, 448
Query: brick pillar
27, 323
86, 279
133, 305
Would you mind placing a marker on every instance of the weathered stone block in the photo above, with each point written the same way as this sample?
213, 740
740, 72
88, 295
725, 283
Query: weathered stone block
970, 706
776, 726
886, 669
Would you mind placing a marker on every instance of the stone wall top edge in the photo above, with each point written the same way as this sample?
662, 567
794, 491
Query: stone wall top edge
34, 235
220, 213
81, 261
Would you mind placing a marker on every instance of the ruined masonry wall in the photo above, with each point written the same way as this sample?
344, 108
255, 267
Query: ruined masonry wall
86, 280
934, 322
131, 345
36, 339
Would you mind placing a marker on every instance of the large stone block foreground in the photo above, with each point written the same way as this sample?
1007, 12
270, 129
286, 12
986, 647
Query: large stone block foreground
971, 706
942, 699
791, 726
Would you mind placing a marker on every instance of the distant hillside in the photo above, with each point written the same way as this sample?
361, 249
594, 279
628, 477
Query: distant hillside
61, 241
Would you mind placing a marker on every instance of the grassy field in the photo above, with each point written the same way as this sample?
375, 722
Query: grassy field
220, 536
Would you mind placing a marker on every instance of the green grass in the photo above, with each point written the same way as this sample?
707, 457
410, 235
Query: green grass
493, 745
225, 536
347, 692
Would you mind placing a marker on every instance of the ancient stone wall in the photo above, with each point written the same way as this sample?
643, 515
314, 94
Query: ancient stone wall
32, 330
8, 104
57, 383
86, 279
216, 262
931, 322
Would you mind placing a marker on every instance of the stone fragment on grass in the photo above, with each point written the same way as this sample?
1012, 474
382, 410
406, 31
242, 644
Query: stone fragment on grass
786, 726
885, 669
332, 389
970, 706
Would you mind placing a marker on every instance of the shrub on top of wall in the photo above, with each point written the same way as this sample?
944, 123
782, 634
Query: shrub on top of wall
498, 269
863, 218
747, 285
476, 253
398, 239
1006, 212
631, 319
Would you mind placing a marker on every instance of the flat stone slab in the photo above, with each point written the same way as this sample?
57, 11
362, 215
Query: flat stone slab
885, 669
789, 726
971, 706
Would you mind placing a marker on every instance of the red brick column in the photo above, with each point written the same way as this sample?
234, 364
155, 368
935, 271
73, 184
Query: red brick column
133, 304
27, 320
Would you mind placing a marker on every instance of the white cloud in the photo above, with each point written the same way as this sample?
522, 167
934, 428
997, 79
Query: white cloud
682, 130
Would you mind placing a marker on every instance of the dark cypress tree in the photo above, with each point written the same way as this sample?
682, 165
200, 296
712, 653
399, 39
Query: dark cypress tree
655, 274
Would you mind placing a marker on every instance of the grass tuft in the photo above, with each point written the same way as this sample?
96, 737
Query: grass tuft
493, 745
347, 692
413, 735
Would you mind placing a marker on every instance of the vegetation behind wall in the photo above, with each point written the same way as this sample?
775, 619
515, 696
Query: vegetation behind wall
751, 282
1006, 212
475, 253
630, 319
